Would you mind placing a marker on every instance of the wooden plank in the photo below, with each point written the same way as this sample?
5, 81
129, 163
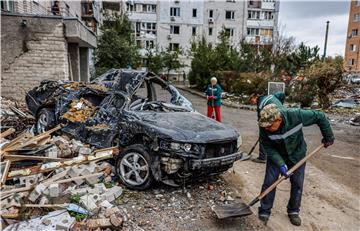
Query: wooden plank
7, 132
32, 140
5, 172
26, 157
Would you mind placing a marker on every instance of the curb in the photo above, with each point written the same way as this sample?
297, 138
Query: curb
224, 103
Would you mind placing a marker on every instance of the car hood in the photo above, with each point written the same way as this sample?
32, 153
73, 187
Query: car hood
187, 127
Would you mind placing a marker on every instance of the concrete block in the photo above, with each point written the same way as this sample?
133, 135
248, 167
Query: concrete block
100, 187
35, 194
76, 171
54, 190
106, 204
80, 191
90, 180
88, 202
52, 152
76, 145
84, 151
112, 193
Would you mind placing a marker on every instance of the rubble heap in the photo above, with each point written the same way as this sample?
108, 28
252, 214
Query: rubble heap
14, 114
51, 182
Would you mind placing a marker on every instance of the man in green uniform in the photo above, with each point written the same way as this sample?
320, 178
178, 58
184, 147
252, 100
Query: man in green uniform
284, 144
261, 101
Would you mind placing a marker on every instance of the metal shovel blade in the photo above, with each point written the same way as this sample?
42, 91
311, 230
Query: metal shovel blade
232, 210
245, 157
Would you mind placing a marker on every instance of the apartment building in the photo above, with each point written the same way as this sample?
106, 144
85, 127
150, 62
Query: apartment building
46, 40
352, 54
261, 22
174, 24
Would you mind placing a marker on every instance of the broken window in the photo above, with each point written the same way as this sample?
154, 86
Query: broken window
175, 11
174, 29
210, 31
149, 44
211, 13
149, 27
351, 62
149, 8
7, 6
229, 15
266, 32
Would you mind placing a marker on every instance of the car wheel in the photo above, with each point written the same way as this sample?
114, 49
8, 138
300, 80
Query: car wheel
45, 120
133, 166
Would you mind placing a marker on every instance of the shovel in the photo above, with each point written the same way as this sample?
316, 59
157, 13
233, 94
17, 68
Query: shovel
247, 157
242, 209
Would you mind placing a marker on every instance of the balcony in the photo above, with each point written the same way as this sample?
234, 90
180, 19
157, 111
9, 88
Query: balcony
259, 40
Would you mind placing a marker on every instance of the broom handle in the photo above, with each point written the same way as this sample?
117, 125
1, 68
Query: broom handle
293, 169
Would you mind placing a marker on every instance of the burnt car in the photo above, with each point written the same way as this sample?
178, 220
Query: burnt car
161, 137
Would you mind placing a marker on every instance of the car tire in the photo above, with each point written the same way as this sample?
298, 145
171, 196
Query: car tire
45, 120
133, 166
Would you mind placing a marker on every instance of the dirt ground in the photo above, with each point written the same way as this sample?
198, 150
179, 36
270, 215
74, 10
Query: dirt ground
332, 186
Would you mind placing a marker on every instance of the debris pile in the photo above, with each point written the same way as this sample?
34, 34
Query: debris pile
51, 182
14, 114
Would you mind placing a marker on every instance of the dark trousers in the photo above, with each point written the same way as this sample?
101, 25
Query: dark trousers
296, 179
262, 155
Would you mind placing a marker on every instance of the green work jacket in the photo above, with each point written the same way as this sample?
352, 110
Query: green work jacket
288, 144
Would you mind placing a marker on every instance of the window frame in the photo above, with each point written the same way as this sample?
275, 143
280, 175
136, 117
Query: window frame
172, 29
232, 14
175, 11
194, 12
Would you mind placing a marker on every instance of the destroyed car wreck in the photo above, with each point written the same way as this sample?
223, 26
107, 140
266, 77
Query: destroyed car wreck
161, 137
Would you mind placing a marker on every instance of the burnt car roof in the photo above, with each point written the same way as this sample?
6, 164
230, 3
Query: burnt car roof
124, 80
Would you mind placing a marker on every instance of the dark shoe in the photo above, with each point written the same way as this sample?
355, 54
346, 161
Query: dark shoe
264, 218
295, 219
258, 160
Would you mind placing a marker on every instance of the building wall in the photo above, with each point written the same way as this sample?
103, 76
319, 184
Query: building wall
31, 53
352, 57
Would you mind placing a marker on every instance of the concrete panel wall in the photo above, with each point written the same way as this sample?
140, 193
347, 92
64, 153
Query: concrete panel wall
32, 49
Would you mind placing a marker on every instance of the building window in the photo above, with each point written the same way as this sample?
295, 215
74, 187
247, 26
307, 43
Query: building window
253, 31
354, 32
266, 32
149, 27
130, 7
230, 15
357, 3
230, 0
138, 43
356, 17
352, 47
351, 62
211, 13
229, 32
175, 11
268, 15
174, 29
7, 6
149, 44
210, 31
194, 31
253, 14
194, 13
174, 46
149, 8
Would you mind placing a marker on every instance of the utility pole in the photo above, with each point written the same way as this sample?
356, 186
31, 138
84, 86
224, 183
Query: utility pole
326, 38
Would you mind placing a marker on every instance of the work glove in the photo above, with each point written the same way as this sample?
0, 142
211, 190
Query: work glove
210, 97
283, 170
327, 143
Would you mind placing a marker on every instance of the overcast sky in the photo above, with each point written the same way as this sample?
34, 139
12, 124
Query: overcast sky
306, 21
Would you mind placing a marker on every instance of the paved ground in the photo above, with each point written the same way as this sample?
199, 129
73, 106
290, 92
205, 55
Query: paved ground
332, 186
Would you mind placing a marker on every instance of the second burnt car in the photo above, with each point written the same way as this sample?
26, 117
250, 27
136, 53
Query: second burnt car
161, 137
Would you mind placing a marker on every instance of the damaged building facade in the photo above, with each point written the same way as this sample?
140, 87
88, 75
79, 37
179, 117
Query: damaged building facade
41, 40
